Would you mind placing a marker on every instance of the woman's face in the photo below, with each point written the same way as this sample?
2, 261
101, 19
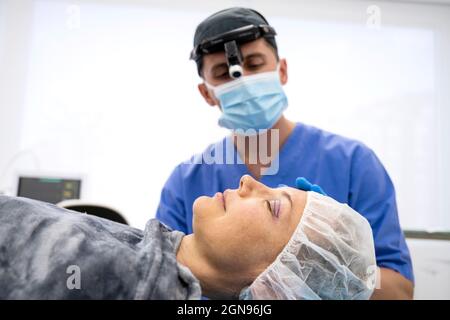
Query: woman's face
245, 229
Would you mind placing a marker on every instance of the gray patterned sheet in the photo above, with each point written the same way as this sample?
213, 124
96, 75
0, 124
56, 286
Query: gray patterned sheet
47, 252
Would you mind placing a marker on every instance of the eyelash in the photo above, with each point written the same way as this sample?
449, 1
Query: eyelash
254, 66
275, 208
222, 75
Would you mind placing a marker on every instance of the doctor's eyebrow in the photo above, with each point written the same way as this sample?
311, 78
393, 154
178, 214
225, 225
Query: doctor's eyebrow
255, 55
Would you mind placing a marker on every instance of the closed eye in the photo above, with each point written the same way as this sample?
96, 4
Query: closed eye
274, 207
254, 66
222, 75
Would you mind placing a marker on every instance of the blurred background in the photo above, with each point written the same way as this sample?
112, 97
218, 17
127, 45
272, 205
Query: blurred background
102, 92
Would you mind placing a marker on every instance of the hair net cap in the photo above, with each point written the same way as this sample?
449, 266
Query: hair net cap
331, 255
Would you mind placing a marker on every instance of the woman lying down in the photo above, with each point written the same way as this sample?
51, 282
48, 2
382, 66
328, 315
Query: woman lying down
253, 242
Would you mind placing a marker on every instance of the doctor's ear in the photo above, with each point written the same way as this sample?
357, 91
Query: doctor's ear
283, 71
206, 94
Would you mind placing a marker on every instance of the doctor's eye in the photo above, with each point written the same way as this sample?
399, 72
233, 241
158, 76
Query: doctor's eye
223, 75
254, 66
220, 72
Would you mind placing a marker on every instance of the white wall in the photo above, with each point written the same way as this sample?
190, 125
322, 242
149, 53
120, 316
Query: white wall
431, 263
96, 81
15, 32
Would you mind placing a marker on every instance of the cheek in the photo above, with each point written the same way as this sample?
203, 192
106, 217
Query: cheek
250, 243
245, 209
240, 243
248, 227
257, 232
250, 219
281, 233
243, 220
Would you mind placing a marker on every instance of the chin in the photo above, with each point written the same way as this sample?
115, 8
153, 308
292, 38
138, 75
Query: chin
200, 205
205, 211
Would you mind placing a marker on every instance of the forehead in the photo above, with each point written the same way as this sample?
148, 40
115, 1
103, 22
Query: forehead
258, 46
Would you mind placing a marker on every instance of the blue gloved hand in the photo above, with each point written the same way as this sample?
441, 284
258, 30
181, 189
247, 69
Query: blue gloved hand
303, 184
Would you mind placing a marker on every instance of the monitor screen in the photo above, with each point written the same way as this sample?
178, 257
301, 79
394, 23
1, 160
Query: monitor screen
51, 190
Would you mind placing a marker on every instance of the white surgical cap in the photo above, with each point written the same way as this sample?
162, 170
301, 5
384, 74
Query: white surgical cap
330, 256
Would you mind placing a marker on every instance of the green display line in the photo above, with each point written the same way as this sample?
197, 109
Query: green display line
50, 180
418, 234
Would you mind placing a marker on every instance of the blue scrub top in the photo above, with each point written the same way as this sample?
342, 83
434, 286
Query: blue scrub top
346, 169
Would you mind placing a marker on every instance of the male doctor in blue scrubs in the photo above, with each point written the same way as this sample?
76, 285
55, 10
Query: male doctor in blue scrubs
237, 59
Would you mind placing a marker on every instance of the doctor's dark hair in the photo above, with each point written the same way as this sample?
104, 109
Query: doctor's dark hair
227, 20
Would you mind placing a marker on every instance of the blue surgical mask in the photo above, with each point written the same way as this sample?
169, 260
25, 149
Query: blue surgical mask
251, 102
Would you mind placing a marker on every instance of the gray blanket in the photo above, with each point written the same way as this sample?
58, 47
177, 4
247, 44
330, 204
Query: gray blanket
51, 253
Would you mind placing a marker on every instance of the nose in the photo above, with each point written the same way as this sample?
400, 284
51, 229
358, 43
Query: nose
249, 185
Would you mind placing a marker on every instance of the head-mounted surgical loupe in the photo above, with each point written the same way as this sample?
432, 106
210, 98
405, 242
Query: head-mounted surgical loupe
234, 59
229, 42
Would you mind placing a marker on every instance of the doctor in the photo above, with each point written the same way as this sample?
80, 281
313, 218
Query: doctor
237, 59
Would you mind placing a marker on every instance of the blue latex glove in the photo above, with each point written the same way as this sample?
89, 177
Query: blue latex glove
303, 184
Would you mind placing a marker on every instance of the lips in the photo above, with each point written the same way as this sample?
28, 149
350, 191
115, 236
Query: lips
221, 197
224, 201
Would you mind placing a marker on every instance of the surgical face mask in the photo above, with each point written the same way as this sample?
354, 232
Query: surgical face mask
251, 102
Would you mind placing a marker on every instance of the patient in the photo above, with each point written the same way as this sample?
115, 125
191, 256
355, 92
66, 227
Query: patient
253, 242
